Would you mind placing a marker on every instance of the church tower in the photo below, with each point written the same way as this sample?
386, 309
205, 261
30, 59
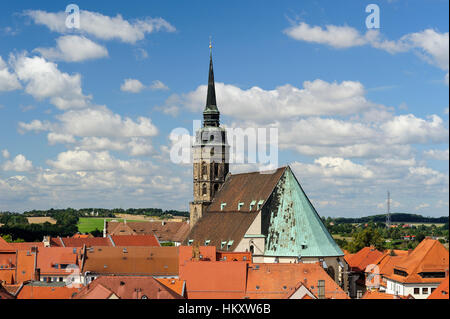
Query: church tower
210, 150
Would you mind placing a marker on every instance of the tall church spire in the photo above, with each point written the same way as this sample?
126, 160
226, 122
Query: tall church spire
211, 114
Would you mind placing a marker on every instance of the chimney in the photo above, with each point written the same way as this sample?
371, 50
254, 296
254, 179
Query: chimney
46, 241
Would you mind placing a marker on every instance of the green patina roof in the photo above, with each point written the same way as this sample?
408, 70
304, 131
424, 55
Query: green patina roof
297, 223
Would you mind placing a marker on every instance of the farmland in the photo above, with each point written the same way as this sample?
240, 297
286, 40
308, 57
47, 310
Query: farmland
86, 224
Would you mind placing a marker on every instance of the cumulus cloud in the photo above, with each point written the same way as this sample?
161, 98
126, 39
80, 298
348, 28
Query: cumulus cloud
431, 45
8, 80
18, 164
132, 86
44, 80
101, 26
74, 48
317, 97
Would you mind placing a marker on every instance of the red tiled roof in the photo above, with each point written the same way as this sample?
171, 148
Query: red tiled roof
40, 292
80, 241
132, 260
381, 295
363, 258
441, 292
276, 281
135, 240
214, 280
429, 256
4, 245
26, 245
163, 230
126, 287
4, 294
49, 257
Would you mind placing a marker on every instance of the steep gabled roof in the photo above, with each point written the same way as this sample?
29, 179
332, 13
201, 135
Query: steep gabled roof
363, 258
245, 188
4, 246
296, 229
429, 256
277, 281
214, 280
126, 287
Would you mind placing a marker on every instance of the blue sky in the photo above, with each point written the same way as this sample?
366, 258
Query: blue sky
359, 111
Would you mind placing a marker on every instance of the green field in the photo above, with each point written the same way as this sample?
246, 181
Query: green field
87, 224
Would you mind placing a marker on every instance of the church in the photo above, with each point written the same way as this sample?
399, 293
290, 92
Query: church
267, 214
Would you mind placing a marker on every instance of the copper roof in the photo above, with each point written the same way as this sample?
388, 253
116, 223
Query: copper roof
132, 260
218, 227
245, 188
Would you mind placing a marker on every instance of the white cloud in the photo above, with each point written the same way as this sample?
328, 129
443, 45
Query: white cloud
431, 45
132, 86
158, 85
335, 36
5, 153
55, 138
8, 80
18, 164
334, 167
44, 80
441, 155
101, 122
73, 48
101, 26
410, 129
35, 125
317, 97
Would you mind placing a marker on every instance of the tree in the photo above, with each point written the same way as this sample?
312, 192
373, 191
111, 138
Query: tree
365, 238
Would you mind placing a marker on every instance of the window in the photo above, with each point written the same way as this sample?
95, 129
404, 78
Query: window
216, 170
424, 291
252, 249
432, 289
204, 190
416, 291
204, 168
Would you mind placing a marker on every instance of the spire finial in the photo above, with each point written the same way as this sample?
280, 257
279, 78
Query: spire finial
210, 45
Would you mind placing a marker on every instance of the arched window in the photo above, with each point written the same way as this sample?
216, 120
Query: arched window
204, 168
204, 189
211, 137
216, 170
211, 152
252, 249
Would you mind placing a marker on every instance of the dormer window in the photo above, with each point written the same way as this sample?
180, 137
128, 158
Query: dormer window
240, 206
260, 203
222, 206
222, 244
252, 204
207, 242
190, 241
